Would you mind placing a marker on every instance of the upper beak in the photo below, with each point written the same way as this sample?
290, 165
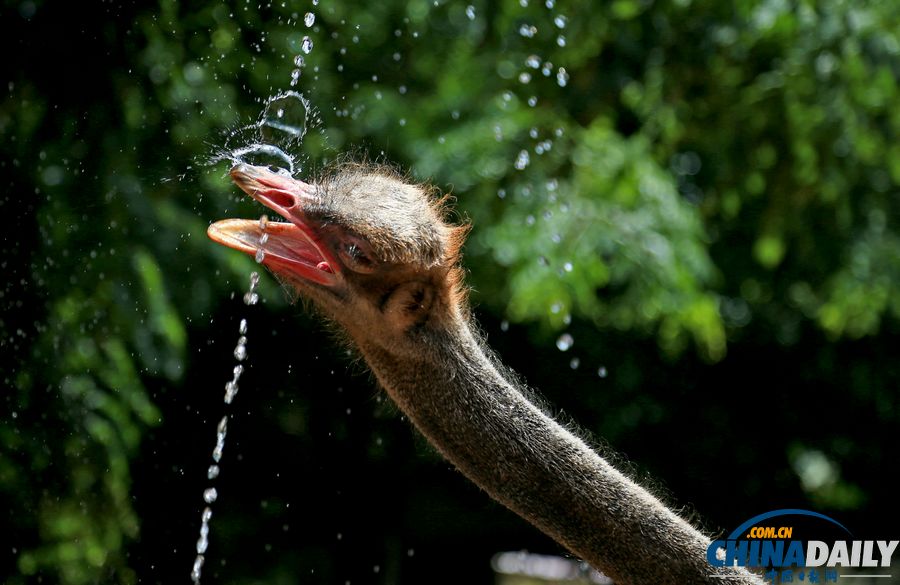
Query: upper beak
288, 249
280, 193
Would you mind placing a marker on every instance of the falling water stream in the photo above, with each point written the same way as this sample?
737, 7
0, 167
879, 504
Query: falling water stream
270, 142
210, 494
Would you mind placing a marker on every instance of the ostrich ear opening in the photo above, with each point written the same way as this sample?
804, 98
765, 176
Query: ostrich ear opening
410, 303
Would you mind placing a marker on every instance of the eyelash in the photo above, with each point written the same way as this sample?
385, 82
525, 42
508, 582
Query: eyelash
354, 252
357, 256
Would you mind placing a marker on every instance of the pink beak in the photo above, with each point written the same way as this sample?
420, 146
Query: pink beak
290, 249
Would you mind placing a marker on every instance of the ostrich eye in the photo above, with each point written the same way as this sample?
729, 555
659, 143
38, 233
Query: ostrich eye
355, 258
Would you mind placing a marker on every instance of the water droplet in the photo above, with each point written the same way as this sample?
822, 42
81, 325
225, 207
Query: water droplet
532, 101
202, 544
195, 571
207, 514
260, 255
263, 222
238, 370
527, 30
223, 425
574, 363
309, 19
242, 328
284, 121
560, 21
210, 495
522, 160
564, 342
504, 325
561, 41
567, 267
562, 77
212, 473
220, 446
306, 45
231, 388
299, 61
601, 371
254, 279
470, 12
524, 77
240, 351
533, 61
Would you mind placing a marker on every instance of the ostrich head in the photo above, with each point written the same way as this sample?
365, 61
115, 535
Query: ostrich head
370, 249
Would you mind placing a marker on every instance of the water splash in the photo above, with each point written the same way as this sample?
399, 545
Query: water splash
284, 119
262, 155
269, 141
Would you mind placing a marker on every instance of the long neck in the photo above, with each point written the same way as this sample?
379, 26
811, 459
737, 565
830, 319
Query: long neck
475, 416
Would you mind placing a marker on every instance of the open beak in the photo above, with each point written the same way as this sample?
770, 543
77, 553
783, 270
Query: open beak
288, 249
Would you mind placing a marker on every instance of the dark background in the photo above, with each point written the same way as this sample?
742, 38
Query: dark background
714, 223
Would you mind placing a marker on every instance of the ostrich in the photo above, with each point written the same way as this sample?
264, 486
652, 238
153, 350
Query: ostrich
375, 255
